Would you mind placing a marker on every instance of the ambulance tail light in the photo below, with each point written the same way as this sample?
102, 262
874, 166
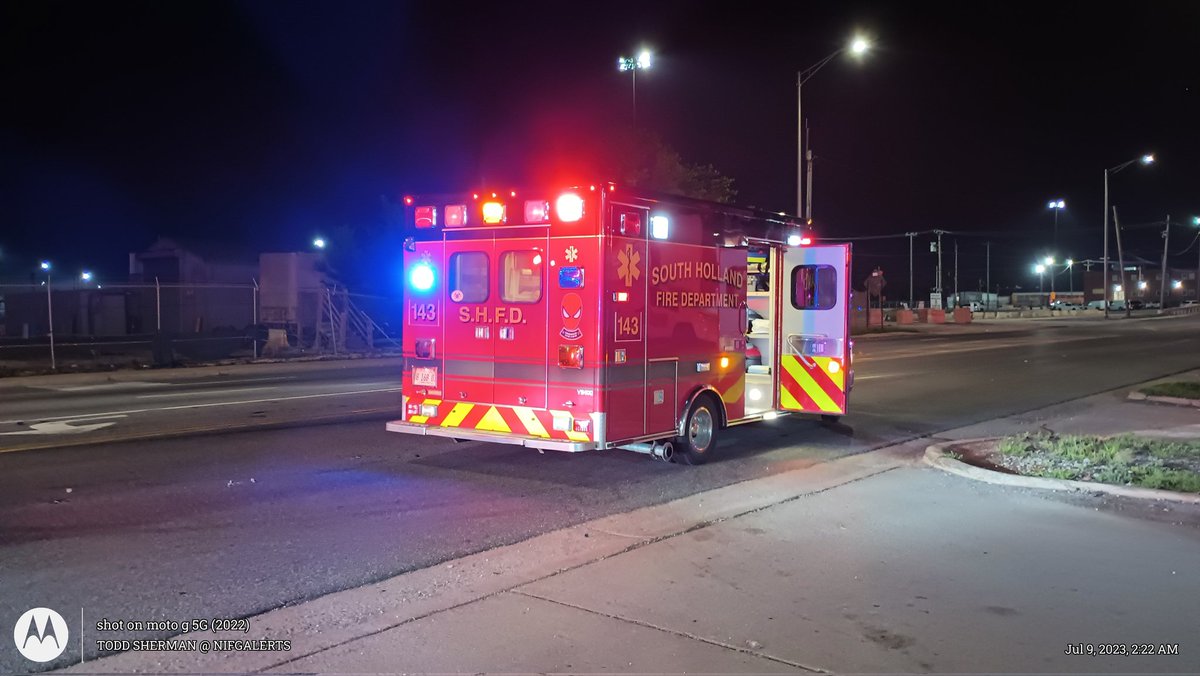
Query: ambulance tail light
426, 217
456, 215
537, 211
581, 425
569, 207
429, 410
421, 277
570, 356
493, 213
425, 349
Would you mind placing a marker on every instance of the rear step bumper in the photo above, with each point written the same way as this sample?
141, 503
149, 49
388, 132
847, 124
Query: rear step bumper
495, 438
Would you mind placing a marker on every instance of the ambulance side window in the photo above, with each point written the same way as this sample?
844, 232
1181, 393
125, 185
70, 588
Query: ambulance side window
814, 287
469, 277
521, 276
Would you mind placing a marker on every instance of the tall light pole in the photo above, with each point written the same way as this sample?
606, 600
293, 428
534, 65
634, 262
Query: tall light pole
642, 62
1144, 159
50, 314
858, 46
1070, 274
1049, 263
1196, 222
1057, 206
1040, 270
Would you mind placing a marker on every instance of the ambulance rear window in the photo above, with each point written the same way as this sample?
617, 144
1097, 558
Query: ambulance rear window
521, 276
469, 277
814, 287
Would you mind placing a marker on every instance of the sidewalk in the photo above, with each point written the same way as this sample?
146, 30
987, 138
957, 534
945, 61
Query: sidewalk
871, 563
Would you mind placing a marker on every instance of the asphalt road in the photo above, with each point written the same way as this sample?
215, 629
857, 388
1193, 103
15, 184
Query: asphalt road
228, 525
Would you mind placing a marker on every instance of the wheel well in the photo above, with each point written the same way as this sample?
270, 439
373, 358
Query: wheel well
712, 395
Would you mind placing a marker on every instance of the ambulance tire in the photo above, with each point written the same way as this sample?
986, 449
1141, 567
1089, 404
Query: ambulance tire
699, 440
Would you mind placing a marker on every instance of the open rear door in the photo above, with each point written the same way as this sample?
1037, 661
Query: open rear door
815, 329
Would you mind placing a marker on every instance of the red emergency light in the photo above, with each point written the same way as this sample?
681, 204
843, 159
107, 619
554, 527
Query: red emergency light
426, 217
456, 215
537, 211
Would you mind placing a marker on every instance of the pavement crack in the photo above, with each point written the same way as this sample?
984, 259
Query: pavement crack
674, 632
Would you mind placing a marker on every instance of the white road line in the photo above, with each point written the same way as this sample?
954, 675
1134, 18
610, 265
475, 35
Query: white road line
200, 393
109, 414
132, 384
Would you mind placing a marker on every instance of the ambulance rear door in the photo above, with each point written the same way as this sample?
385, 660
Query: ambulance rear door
814, 329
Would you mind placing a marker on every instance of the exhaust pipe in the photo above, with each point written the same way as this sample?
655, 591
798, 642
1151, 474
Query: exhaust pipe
659, 450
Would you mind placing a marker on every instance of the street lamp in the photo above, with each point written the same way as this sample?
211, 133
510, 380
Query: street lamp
1057, 206
1144, 159
857, 47
46, 266
642, 62
1040, 269
319, 243
1196, 222
1049, 263
85, 276
1071, 275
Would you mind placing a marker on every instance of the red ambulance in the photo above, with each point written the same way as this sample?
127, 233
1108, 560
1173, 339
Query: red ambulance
601, 316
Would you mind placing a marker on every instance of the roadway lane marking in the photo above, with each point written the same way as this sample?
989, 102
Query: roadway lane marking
132, 384
61, 427
200, 393
114, 414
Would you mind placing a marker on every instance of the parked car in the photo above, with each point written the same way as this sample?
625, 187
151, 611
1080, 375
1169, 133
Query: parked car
1153, 305
1190, 303
1095, 305
1135, 304
1117, 305
1065, 305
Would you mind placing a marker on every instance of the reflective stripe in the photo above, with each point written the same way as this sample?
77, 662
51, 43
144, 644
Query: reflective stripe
805, 388
457, 414
530, 420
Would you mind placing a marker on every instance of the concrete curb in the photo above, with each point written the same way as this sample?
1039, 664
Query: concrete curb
1174, 401
935, 456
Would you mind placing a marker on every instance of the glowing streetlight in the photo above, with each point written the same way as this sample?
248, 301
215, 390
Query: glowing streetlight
642, 62
46, 266
858, 46
1145, 160
85, 276
319, 243
1056, 206
1040, 270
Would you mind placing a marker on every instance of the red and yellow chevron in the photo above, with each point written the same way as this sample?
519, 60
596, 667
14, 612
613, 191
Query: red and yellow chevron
519, 420
812, 384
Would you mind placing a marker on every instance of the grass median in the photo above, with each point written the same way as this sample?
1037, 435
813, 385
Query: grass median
1123, 460
1182, 390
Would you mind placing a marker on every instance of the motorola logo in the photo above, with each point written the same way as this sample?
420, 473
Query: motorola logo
41, 634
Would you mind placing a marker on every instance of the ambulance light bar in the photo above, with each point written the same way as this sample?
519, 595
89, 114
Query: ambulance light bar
493, 212
659, 227
426, 217
569, 207
421, 277
456, 215
537, 211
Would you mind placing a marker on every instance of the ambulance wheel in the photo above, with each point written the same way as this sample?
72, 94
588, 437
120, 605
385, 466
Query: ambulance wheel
699, 438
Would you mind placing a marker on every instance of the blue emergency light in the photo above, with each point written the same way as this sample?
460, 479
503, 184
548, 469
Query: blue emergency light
421, 277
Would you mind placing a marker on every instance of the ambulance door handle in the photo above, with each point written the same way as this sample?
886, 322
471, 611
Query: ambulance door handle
569, 404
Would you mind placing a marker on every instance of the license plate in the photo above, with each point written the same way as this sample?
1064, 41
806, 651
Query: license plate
425, 376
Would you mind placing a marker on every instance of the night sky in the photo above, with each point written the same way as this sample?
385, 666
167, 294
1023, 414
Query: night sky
261, 124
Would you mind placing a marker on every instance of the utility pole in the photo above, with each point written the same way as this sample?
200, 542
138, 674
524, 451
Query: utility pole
910, 235
1162, 282
939, 269
957, 302
1121, 261
989, 276
808, 191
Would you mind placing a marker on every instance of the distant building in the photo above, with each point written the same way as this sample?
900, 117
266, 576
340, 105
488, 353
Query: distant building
1144, 279
200, 287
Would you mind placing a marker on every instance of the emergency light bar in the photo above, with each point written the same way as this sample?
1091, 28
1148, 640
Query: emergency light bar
493, 212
